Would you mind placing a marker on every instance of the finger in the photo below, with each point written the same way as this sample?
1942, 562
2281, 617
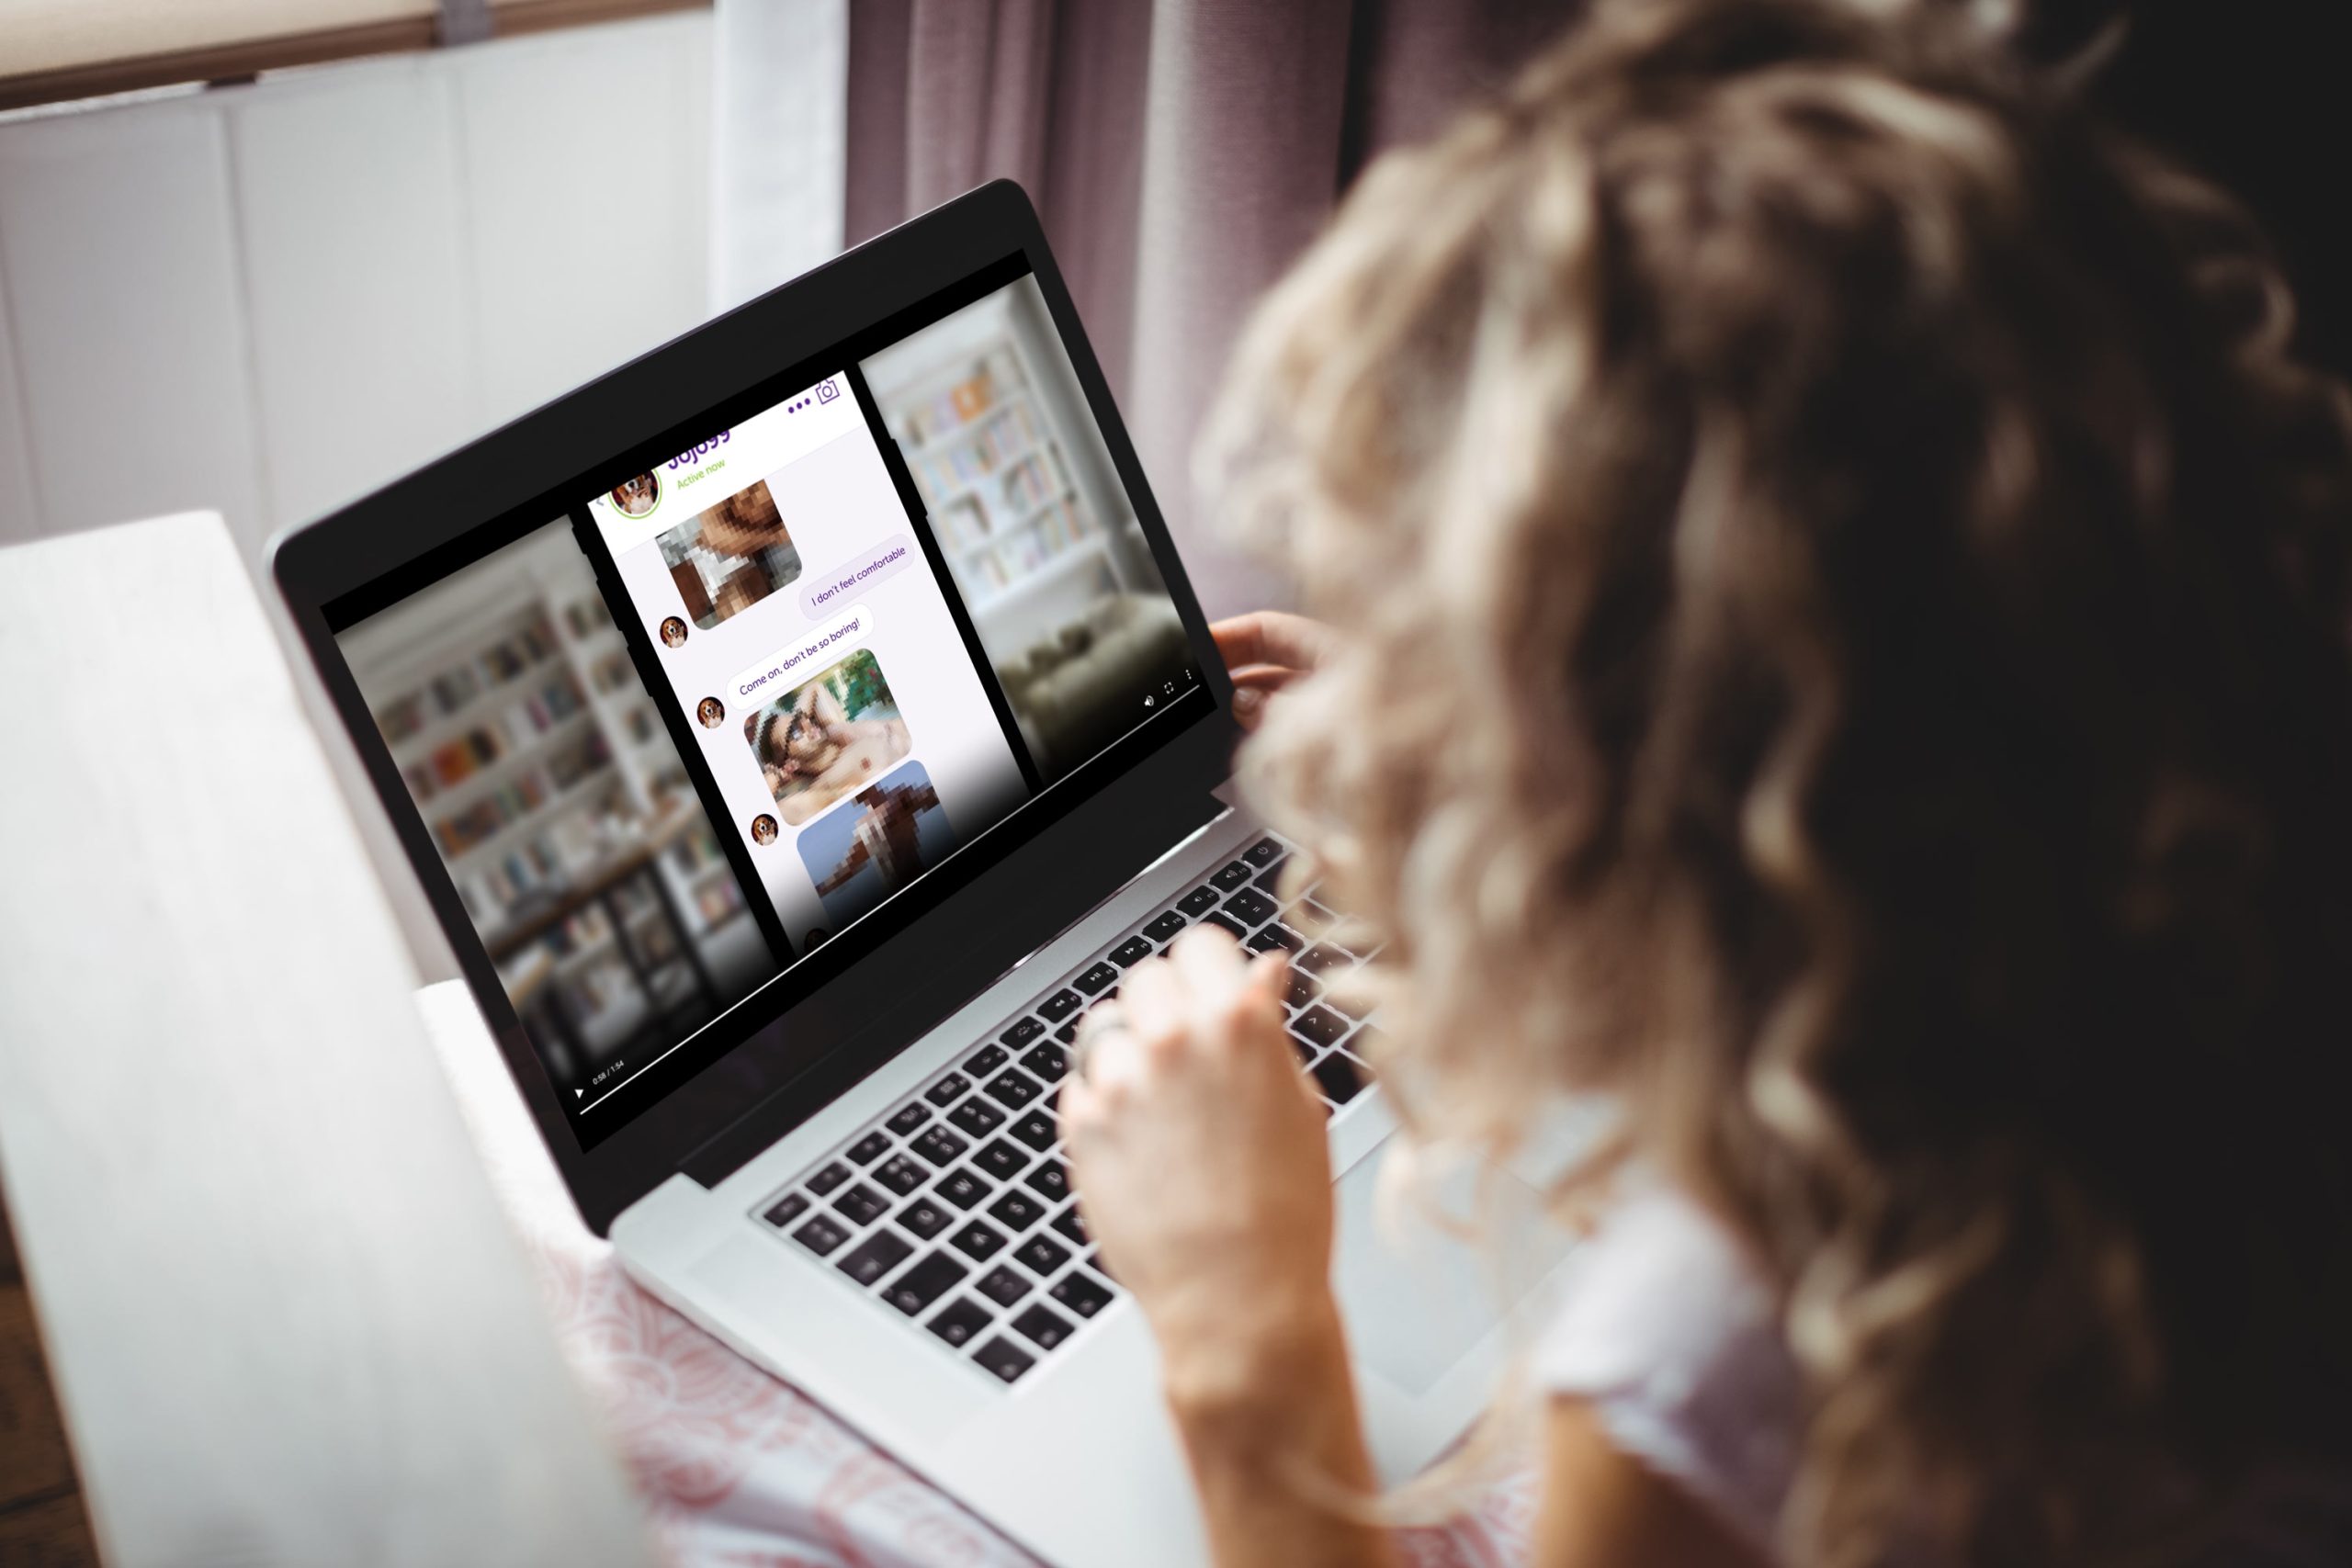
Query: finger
1080, 1111
1249, 707
1153, 994
1263, 679
1270, 973
1272, 636
1210, 962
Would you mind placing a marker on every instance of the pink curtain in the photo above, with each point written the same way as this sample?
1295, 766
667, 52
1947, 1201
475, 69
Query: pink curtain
1181, 152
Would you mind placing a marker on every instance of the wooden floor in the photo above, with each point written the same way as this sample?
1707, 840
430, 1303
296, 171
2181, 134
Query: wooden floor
42, 1522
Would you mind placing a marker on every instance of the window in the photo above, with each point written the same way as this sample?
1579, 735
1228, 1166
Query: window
57, 49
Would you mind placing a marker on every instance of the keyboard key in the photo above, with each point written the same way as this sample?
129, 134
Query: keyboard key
959, 1321
1003, 1285
1225, 922
1016, 1212
1306, 1054
1067, 1034
989, 1058
820, 1235
1323, 957
965, 1189
978, 1117
876, 1255
1165, 928
1263, 853
1041, 1327
1014, 1087
1081, 1292
1303, 989
825, 1181
939, 1145
1271, 877
1036, 1130
901, 1175
1001, 1159
1098, 975
1341, 1076
1353, 1007
1048, 1061
910, 1116
1050, 1181
1042, 1255
1023, 1030
1073, 1225
1133, 950
976, 1240
924, 1219
1235, 875
944, 1091
788, 1208
1060, 1005
1319, 1026
1003, 1357
1274, 936
869, 1148
1252, 908
862, 1204
1198, 900
924, 1284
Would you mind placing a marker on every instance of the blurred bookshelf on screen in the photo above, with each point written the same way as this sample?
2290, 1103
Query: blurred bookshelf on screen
1030, 516
558, 803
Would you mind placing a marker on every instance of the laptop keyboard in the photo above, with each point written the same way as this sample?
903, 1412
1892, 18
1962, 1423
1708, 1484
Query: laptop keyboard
954, 1209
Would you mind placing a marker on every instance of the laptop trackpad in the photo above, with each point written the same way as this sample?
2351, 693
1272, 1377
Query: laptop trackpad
1417, 1296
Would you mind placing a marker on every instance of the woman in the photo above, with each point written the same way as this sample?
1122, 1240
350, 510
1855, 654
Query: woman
1837, 609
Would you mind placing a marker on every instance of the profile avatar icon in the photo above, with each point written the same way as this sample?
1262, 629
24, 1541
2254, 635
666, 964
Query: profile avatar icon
763, 829
711, 713
636, 497
673, 632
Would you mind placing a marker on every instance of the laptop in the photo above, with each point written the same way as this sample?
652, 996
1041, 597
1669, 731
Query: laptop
795, 731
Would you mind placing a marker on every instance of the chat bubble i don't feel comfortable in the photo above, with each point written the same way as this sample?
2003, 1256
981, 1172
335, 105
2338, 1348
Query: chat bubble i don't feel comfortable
802, 656
820, 590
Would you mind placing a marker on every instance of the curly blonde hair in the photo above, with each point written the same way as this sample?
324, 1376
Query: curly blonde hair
1843, 602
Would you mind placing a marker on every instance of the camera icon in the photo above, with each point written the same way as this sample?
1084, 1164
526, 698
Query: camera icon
827, 392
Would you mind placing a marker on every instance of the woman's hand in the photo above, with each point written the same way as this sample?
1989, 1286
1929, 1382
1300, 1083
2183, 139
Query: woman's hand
1200, 1160
1264, 651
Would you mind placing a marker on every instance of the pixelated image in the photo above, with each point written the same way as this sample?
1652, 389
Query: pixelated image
875, 842
827, 737
730, 556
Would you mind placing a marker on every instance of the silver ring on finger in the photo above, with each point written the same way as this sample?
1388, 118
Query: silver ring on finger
1102, 1021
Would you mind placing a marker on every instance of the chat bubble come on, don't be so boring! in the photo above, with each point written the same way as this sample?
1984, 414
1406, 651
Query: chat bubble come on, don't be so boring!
805, 654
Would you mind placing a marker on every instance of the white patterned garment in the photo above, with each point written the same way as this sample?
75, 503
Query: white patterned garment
1664, 1330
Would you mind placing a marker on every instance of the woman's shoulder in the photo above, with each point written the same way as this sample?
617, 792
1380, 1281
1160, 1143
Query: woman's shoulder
1668, 1334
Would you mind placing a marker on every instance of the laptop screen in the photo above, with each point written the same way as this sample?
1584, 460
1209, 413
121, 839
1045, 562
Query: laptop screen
727, 711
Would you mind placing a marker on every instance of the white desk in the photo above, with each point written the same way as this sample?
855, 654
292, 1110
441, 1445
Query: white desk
285, 1320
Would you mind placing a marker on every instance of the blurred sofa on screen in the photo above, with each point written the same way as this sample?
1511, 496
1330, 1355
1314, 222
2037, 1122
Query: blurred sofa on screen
1079, 688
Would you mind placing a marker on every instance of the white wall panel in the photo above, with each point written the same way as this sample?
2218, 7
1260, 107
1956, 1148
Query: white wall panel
357, 274
119, 250
586, 171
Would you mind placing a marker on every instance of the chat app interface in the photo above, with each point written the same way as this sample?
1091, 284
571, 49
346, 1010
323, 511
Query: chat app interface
802, 631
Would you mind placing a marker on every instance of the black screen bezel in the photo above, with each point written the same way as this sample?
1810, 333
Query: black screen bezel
1106, 821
